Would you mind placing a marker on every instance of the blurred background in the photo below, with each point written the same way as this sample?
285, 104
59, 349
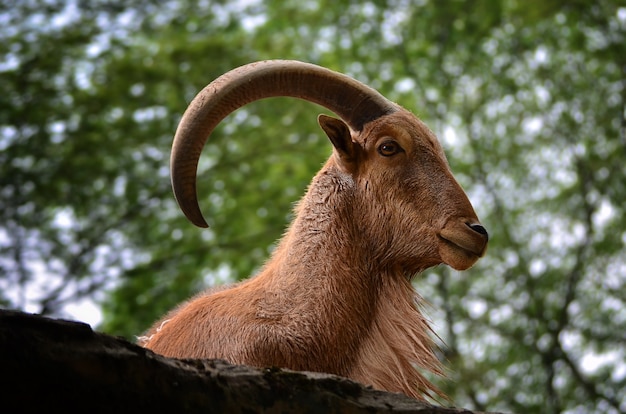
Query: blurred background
527, 97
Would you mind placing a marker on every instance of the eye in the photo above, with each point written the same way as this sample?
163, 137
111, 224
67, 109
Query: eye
389, 148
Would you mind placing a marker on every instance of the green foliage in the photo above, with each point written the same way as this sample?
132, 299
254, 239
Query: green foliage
528, 98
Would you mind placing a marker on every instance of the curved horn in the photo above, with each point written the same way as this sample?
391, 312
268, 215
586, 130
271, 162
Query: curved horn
351, 100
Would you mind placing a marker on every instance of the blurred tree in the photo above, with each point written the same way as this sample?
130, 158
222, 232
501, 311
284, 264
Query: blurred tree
529, 99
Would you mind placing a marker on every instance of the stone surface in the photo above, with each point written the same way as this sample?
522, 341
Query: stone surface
50, 364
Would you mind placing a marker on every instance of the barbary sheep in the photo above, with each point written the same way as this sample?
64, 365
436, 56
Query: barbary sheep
336, 295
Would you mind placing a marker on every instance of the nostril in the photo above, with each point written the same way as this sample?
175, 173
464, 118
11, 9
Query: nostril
478, 229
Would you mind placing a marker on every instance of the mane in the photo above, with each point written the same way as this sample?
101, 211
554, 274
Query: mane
399, 345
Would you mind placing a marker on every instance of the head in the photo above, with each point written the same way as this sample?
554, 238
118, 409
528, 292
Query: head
412, 206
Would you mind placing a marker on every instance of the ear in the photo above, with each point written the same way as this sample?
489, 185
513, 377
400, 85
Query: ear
339, 134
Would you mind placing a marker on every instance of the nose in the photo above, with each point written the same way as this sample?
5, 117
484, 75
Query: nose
478, 228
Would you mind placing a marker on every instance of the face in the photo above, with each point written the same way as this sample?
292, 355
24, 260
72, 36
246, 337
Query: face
420, 216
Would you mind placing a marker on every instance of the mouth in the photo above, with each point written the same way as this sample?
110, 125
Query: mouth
465, 246
462, 244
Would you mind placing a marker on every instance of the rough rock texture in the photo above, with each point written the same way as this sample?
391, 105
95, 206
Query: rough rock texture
49, 364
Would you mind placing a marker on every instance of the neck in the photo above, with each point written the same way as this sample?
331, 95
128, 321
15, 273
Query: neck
333, 288
320, 285
324, 246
